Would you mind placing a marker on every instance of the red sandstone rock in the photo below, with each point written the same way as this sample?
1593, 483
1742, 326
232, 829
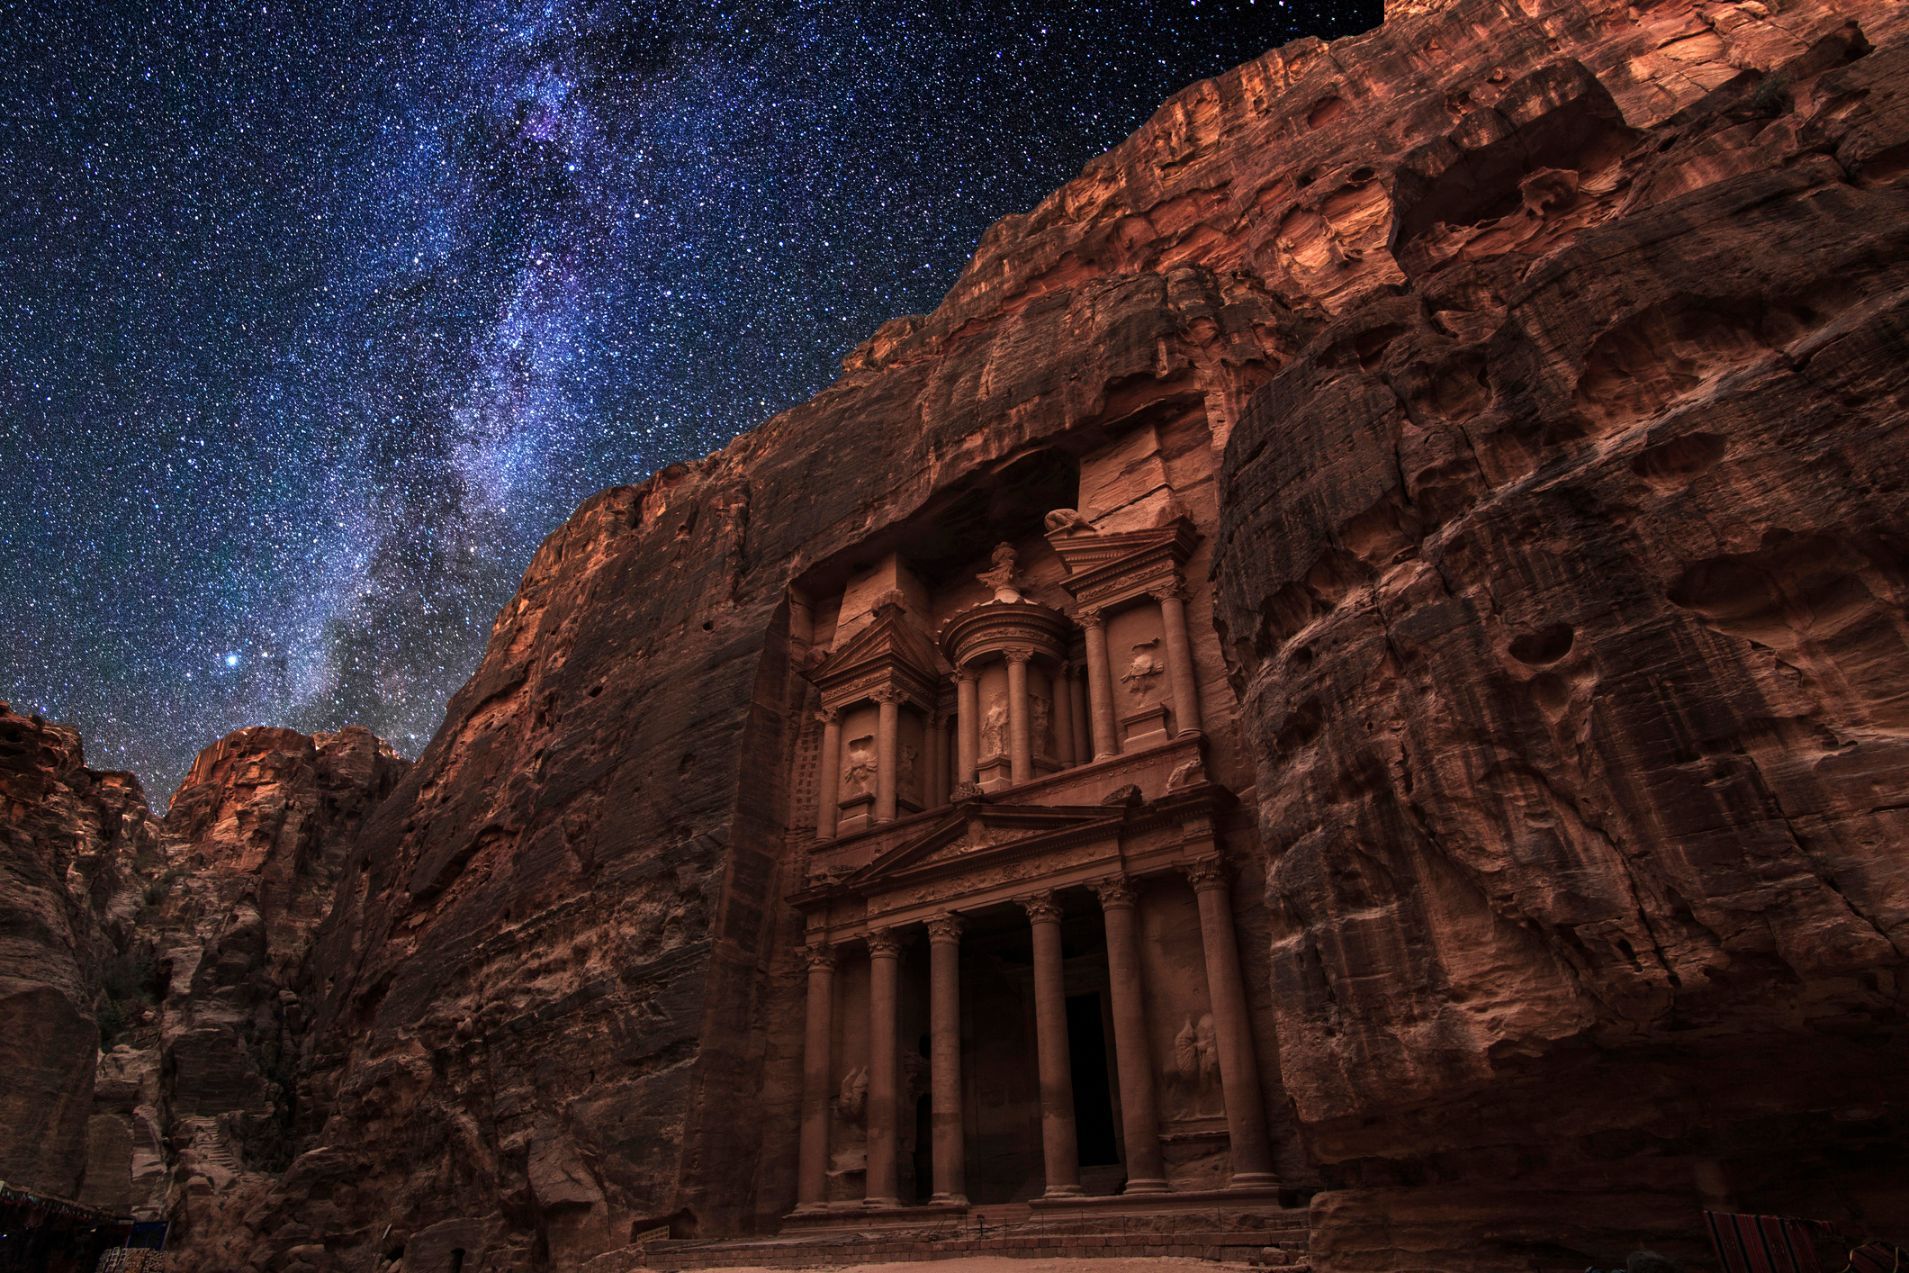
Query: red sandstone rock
1555, 355
549, 1021
69, 837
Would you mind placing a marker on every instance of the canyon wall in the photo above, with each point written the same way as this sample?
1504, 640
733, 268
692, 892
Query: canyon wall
562, 1002
1551, 359
152, 967
1566, 581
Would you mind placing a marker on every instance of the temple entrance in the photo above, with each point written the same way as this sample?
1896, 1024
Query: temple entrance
1093, 1093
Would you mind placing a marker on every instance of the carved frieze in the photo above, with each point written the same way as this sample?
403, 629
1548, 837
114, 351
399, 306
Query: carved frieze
1105, 570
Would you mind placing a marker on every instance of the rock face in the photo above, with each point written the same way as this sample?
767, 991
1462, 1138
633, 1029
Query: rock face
71, 842
152, 968
1566, 584
1545, 362
1557, 348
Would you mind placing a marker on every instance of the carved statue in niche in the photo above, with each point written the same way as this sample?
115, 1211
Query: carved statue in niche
858, 775
994, 730
1001, 577
1043, 725
1143, 672
1194, 1078
908, 762
851, 1100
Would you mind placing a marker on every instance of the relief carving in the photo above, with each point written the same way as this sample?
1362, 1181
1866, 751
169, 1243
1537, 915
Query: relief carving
851, 1099
994, 730
1001, 577
858, 773
1141, 674
1067, 521
1043, 725
1193, 1079
908, 762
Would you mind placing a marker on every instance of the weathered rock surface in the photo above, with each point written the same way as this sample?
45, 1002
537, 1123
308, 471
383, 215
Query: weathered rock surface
70, 842
1556, 351
152, 969
1566, 584
560, 1003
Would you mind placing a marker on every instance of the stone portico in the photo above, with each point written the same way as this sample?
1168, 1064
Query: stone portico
1023, 980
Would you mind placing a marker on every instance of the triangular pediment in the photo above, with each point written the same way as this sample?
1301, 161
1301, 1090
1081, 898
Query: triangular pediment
1089, 552
890, 638
975, 831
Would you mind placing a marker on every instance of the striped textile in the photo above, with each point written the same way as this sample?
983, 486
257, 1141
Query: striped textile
1761, 1244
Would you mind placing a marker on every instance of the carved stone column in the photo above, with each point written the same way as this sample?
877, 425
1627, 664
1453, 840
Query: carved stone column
1060, 711
967, 725
1059, 1145
944, 1059
887, 752
1020, 720
1139, 1111
812, 1171
1186, 692
933, 763
828, 775
1239, 1070
1100, 685
884, 981
1077, 711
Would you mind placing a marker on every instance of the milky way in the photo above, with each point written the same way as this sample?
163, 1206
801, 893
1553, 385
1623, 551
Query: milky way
316, 319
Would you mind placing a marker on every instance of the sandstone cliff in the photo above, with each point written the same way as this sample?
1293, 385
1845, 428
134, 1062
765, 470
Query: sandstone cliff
1557, 346
73, 845
152, 968
1555, 352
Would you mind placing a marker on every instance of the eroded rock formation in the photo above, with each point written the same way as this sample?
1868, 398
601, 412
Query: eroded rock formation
1534, 374
154, 967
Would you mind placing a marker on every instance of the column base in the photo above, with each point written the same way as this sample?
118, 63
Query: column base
809, 1208
1145, 1184
1064, 1191
881, 1204
1252, 1180
948, 1200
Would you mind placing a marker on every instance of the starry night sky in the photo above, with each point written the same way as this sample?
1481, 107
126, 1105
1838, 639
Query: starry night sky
316, 319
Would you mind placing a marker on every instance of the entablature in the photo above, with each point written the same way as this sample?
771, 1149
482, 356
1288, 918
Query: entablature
1109, 570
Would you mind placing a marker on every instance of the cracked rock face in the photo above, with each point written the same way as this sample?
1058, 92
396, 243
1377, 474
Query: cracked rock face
1567, 586
1556, 351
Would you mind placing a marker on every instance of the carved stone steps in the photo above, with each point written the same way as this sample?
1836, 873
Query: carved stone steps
1274, 1239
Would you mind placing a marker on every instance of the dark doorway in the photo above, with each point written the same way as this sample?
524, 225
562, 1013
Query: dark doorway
924, 1149
1093, 1100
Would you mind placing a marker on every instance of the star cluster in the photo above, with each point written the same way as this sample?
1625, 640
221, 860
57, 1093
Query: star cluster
315, 319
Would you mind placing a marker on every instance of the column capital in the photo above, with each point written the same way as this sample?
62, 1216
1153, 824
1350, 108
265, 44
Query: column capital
1114, 891
818, 955
1175, 591
1089, 616
828, 715
945, 928
1018, 654
1205, 873
883, 943
887, 694
1041, 908
964, 675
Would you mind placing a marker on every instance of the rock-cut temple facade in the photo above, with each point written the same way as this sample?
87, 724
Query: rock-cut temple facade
1017, 806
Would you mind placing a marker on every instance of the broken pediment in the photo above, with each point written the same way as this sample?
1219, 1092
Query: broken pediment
891, 651
1104, 568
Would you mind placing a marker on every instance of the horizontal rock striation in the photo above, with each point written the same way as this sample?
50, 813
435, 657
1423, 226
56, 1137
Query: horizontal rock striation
1566, 584
1554, 354
561, 1007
